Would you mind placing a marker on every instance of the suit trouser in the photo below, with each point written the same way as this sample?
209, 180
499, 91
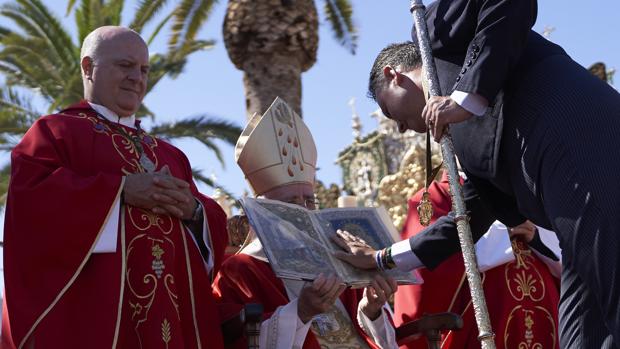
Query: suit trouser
561, 146
590, 241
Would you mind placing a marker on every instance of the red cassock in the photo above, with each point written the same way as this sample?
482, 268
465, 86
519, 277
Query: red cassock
245, 279
152, 292
522, 296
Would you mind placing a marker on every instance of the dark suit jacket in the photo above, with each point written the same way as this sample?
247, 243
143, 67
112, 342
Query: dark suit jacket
481, 47
484, 47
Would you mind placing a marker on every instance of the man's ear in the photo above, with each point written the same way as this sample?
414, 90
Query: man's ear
87, 67
391, 74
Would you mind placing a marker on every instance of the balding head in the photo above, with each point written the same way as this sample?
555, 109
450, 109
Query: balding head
99, 36
114, 64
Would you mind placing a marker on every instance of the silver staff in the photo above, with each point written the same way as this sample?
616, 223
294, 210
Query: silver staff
481, 312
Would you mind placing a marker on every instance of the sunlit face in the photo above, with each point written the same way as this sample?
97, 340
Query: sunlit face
301, 194
402, 99
118, 75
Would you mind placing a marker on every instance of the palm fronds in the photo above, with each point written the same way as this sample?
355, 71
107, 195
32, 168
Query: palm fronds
172, 63
204, 129
147, 10
113, 12
189, 16
38, 55
42, 54
197, 174
16, 116
5, 175
339, 14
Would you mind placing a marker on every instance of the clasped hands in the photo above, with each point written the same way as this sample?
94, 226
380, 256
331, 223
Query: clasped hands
160, 193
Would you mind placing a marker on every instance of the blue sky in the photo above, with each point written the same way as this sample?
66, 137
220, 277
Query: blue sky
212, 85
588, 31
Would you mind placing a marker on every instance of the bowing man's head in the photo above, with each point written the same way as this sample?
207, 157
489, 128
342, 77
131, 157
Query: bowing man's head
115, 66
395, 83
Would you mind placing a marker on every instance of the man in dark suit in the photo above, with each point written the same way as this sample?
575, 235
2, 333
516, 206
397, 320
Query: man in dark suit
537, 136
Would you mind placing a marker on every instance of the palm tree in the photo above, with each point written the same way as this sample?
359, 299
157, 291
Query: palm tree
274, 41
599, 69
42, 58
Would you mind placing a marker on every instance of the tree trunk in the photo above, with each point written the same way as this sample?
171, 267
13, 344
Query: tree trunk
273, 42
267, 76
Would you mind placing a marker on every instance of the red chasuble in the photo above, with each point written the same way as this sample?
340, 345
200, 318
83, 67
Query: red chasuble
245, 279
522, 296
153, 292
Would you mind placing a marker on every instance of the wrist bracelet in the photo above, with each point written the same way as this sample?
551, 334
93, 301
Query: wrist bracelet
378, 260
389, 261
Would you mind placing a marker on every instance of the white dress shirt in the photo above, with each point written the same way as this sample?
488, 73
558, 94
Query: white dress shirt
472, 102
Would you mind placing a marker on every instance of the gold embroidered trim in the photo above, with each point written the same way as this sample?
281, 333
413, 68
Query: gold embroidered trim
101, 126
123, 269
75, 275
150, 220
554, 334
166, 336
530, 341
191, 287
138, 308
523, 280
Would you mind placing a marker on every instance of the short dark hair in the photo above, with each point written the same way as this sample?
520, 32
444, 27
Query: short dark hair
405, 55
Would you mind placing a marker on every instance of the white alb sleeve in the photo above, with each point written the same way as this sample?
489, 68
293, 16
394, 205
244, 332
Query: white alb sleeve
284, 329
381, 329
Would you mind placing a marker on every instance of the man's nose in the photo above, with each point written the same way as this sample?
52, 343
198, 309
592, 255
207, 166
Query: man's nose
401, 126
135, 75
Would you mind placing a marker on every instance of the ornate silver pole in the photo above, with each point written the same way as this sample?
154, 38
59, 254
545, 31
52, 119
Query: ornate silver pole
485, 333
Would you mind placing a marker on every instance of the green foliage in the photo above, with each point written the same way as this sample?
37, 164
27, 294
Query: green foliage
198, 176
39, 57
16, 116
189, 17
339, 14
202, 128
5, 174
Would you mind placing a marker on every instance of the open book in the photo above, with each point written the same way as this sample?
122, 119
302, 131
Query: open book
298, 244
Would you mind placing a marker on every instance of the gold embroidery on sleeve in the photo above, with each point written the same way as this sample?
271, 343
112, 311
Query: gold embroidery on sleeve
165, 332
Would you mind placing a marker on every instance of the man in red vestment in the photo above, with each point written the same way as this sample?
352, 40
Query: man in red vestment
521, 293
278, 156
108, 243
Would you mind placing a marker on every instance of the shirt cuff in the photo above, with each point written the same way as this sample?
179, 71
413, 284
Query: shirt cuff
494, 248
472, 102
380, 329
403, 256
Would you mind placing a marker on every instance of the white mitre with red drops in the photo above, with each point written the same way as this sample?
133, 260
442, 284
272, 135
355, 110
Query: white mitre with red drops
276, 149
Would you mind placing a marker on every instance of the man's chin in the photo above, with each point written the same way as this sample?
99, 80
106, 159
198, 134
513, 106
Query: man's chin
128, 108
